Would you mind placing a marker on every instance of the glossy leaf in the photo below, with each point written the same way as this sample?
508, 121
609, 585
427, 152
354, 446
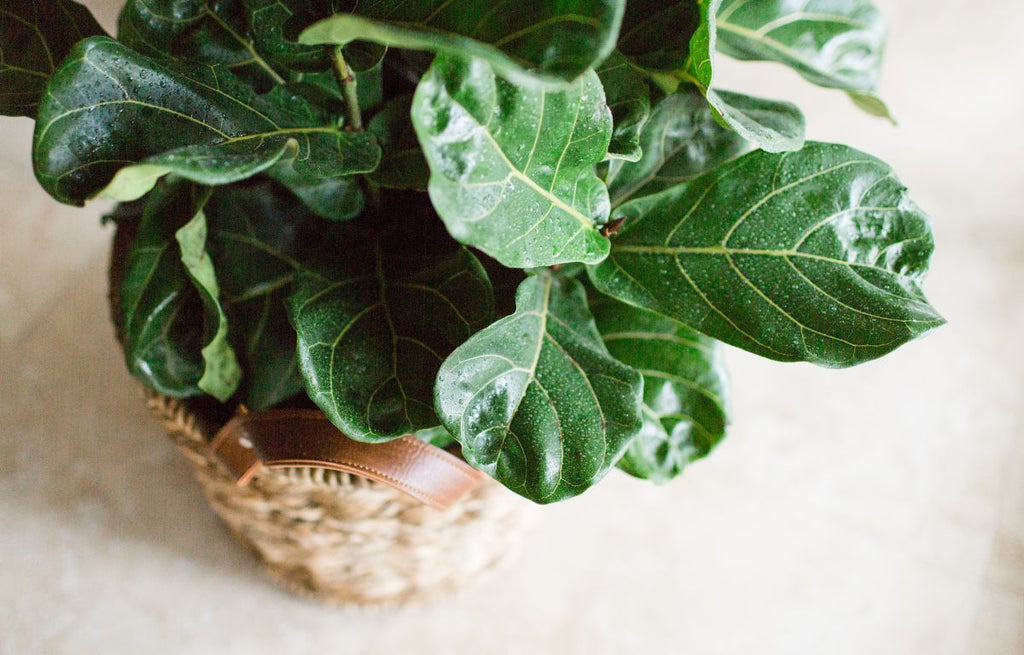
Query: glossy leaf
257, 237
375, 325
771, 125
832, 44
536, 400
333, 198
656, 33
221, 372
512, 169
685, 387
681, 140
268, 19
158, 303
536, 40
207, 31
629, 99
402, 164
815, 255
276, 25
114, 121
35, 35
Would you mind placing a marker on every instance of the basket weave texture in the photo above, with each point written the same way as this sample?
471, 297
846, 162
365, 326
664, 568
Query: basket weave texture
346, 540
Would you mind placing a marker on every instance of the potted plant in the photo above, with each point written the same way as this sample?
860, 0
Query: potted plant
355, 240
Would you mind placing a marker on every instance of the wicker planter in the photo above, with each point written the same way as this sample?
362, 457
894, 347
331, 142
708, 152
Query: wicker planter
341, 538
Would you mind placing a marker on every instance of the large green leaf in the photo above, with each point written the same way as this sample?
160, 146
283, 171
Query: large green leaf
35, 35
375, 324
830, 43
512, 169
629, 98
402, 164
160, 309
536, 400
681, 140
257, 233
115, 121
685, 387
815, 255
534, 40
771, 125
209, 31
221, 372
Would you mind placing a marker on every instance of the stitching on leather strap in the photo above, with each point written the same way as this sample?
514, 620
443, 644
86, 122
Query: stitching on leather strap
306, 438
408, 488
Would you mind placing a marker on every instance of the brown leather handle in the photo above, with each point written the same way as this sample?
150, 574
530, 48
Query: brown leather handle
302, 437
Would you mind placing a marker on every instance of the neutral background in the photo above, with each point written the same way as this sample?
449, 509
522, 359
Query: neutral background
876, 510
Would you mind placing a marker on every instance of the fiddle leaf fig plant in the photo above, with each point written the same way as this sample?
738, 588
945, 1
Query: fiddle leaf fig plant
525, 231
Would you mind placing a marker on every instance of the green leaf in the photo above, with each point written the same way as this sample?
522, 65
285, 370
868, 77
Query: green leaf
159, 306
268, 19
831, 44
815, 255
536, 400
375, 325
536, 41
871, 104
685, 387
208, 31
114, 121
771, 125
681, 140
276, 25
836, 45
257, 235
35, 35
656, 33
221, 372
768, 124
436, 436
402, 164
333, 198
512, 169
629, 99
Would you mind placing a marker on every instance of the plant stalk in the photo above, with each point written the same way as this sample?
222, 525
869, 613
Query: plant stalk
347, 82
354, 117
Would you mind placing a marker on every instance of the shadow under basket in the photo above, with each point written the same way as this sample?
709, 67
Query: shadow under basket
337, 537
347, 540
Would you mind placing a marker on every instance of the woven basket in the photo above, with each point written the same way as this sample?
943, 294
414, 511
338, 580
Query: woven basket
340, 538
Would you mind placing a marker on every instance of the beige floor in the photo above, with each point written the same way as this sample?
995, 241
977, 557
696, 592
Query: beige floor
877, 510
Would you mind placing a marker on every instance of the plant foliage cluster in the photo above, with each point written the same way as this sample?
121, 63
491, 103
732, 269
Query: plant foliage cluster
526, 227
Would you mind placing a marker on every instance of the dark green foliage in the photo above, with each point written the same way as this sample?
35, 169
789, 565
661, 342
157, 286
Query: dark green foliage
525, 227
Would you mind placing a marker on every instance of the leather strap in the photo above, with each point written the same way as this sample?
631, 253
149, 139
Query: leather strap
304, 437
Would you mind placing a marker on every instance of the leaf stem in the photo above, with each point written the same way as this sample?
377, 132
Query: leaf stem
354, 116
347, 82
